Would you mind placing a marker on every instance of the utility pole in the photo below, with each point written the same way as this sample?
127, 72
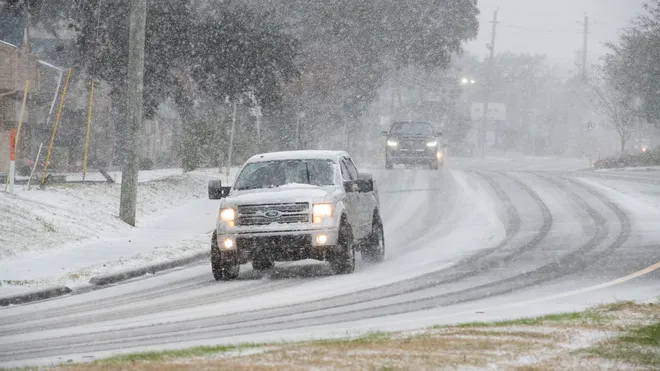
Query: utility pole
585, 72
231, 141
129, 173
484, 120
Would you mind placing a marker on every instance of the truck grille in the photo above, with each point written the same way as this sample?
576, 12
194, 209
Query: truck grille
265, 214
413, 144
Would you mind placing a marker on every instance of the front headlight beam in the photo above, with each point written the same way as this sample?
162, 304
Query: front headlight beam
322, 211
228, 216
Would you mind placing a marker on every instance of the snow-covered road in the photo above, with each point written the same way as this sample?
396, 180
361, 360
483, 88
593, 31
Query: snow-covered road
466, 243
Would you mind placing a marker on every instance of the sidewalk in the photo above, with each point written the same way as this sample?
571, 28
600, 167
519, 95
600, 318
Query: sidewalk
182, 231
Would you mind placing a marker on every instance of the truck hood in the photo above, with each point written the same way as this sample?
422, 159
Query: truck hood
285, 194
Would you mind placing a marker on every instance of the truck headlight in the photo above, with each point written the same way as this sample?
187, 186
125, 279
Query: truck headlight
432, 144
392, 143
228, 216
321, 211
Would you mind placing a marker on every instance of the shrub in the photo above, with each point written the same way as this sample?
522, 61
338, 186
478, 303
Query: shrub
648, 158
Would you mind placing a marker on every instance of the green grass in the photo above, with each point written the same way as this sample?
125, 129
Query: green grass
206, 350
580, 317
618, 306
175, 353
640, 346
645, 336
370, 338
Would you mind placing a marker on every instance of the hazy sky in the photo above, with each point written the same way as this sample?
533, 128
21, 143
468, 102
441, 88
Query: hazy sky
553, 27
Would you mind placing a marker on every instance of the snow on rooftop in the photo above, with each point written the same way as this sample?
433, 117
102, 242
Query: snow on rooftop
298, 155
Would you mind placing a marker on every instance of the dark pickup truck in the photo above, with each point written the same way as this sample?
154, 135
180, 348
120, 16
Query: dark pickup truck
413, 143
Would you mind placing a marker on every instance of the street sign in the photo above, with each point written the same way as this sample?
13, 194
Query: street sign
591, 125
496, 111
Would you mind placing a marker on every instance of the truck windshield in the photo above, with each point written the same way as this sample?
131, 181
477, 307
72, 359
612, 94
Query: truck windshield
412, 128
270, 174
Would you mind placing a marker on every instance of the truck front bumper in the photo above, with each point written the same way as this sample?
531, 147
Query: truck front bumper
413, 156
284, 245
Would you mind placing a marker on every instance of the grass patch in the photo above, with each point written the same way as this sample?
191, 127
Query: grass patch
635, 356
175, 353
503, 334
645, 336
370, 338
618, 306
579, 317
547, 342
639, 346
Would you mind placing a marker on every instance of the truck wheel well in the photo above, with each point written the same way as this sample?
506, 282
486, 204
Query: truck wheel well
343, 223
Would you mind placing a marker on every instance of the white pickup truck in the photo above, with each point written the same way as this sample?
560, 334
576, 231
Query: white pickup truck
286, 206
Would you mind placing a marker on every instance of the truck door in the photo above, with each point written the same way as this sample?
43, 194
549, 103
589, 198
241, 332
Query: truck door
352, 201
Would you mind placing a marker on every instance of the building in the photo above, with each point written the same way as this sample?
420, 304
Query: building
17, 64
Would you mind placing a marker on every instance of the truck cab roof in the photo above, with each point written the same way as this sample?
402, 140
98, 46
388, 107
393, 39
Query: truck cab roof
299, 155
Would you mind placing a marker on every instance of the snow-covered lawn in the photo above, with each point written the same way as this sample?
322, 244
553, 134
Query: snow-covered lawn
69, 232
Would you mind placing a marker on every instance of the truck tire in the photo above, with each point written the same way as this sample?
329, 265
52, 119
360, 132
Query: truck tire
374, 250
225, 267
342, 258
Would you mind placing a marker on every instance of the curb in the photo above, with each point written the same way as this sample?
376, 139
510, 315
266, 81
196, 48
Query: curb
35, 295
110, 278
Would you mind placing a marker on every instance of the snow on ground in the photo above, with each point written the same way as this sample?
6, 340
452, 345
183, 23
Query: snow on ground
519, 161
95, 176
640, 200
470, 233
639, 168
68, 232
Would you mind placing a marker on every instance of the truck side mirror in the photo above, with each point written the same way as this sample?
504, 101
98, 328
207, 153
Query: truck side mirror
365, 182
351, 186
216, 190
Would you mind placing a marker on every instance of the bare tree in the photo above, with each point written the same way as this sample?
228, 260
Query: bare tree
617, 106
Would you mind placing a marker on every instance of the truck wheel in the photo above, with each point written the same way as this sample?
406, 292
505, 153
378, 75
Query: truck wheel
374, 250
342, 259
225, 267
262, 263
